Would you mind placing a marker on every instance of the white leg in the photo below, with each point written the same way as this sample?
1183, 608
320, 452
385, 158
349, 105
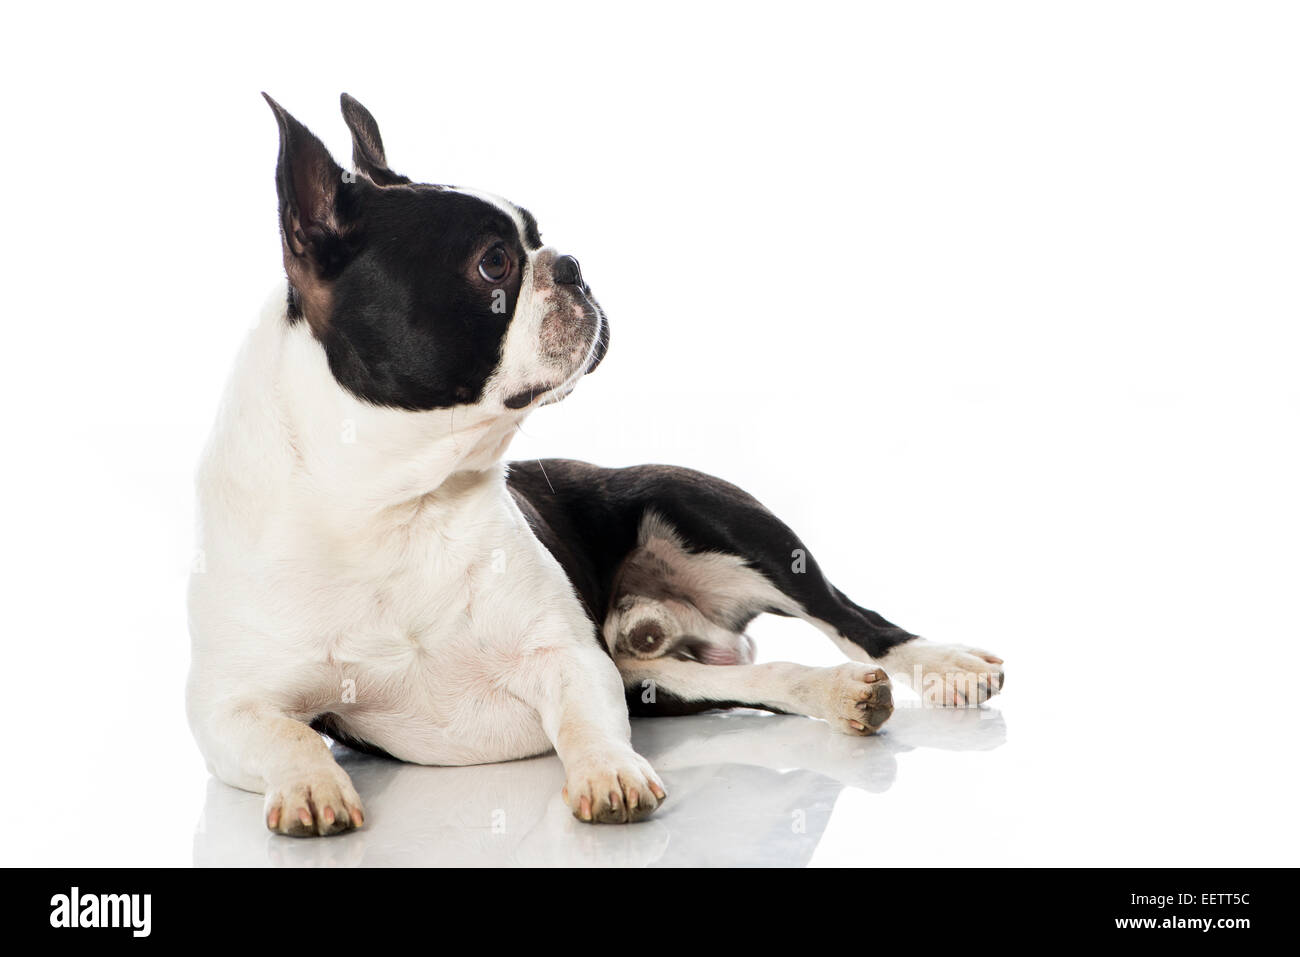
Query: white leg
579, 697
260, 749
853, 698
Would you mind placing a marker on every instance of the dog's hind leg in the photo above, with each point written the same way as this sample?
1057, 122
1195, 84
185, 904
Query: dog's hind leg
674, 630
728, 535
716, 549
853, 698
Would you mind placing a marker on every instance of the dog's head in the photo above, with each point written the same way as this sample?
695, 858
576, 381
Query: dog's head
427, 297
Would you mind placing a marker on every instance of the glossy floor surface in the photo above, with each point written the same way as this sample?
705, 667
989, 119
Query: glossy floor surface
745, 789
1105, 777
1148, 758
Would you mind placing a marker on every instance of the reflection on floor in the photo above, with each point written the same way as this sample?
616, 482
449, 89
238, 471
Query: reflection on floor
744, 789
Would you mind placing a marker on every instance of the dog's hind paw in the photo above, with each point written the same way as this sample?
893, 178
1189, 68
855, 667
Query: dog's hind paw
859, 698
948, 675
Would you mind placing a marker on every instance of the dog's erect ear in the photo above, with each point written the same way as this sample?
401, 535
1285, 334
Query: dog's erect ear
308, 182
367, 145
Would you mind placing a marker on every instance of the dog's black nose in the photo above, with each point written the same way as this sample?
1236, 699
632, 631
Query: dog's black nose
566, 271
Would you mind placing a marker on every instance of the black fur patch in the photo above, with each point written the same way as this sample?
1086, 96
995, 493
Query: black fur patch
329, 724
412, 323
589, 517
669, 705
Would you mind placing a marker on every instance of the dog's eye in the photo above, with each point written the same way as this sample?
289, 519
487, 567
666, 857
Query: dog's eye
495, 266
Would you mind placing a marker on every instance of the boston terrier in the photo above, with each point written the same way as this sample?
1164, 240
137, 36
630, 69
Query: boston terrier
371, 569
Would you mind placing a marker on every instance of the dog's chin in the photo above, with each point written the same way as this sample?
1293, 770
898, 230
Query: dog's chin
537, 395
540, 394
543, 393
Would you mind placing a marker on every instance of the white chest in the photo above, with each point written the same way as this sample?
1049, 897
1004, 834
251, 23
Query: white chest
411, 636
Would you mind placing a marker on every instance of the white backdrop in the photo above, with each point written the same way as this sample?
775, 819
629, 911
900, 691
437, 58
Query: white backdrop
996, 304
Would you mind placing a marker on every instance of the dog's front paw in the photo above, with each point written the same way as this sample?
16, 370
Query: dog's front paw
615, 788
858, 698
949, 675
319, 802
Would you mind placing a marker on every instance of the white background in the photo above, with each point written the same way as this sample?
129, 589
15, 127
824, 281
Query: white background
996, 304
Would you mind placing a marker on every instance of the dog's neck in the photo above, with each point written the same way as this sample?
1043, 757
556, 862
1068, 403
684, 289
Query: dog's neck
364, 460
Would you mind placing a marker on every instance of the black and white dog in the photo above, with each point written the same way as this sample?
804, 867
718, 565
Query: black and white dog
372, 570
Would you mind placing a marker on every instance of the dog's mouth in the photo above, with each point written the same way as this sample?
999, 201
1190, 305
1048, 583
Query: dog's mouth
547, 393
534, 393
